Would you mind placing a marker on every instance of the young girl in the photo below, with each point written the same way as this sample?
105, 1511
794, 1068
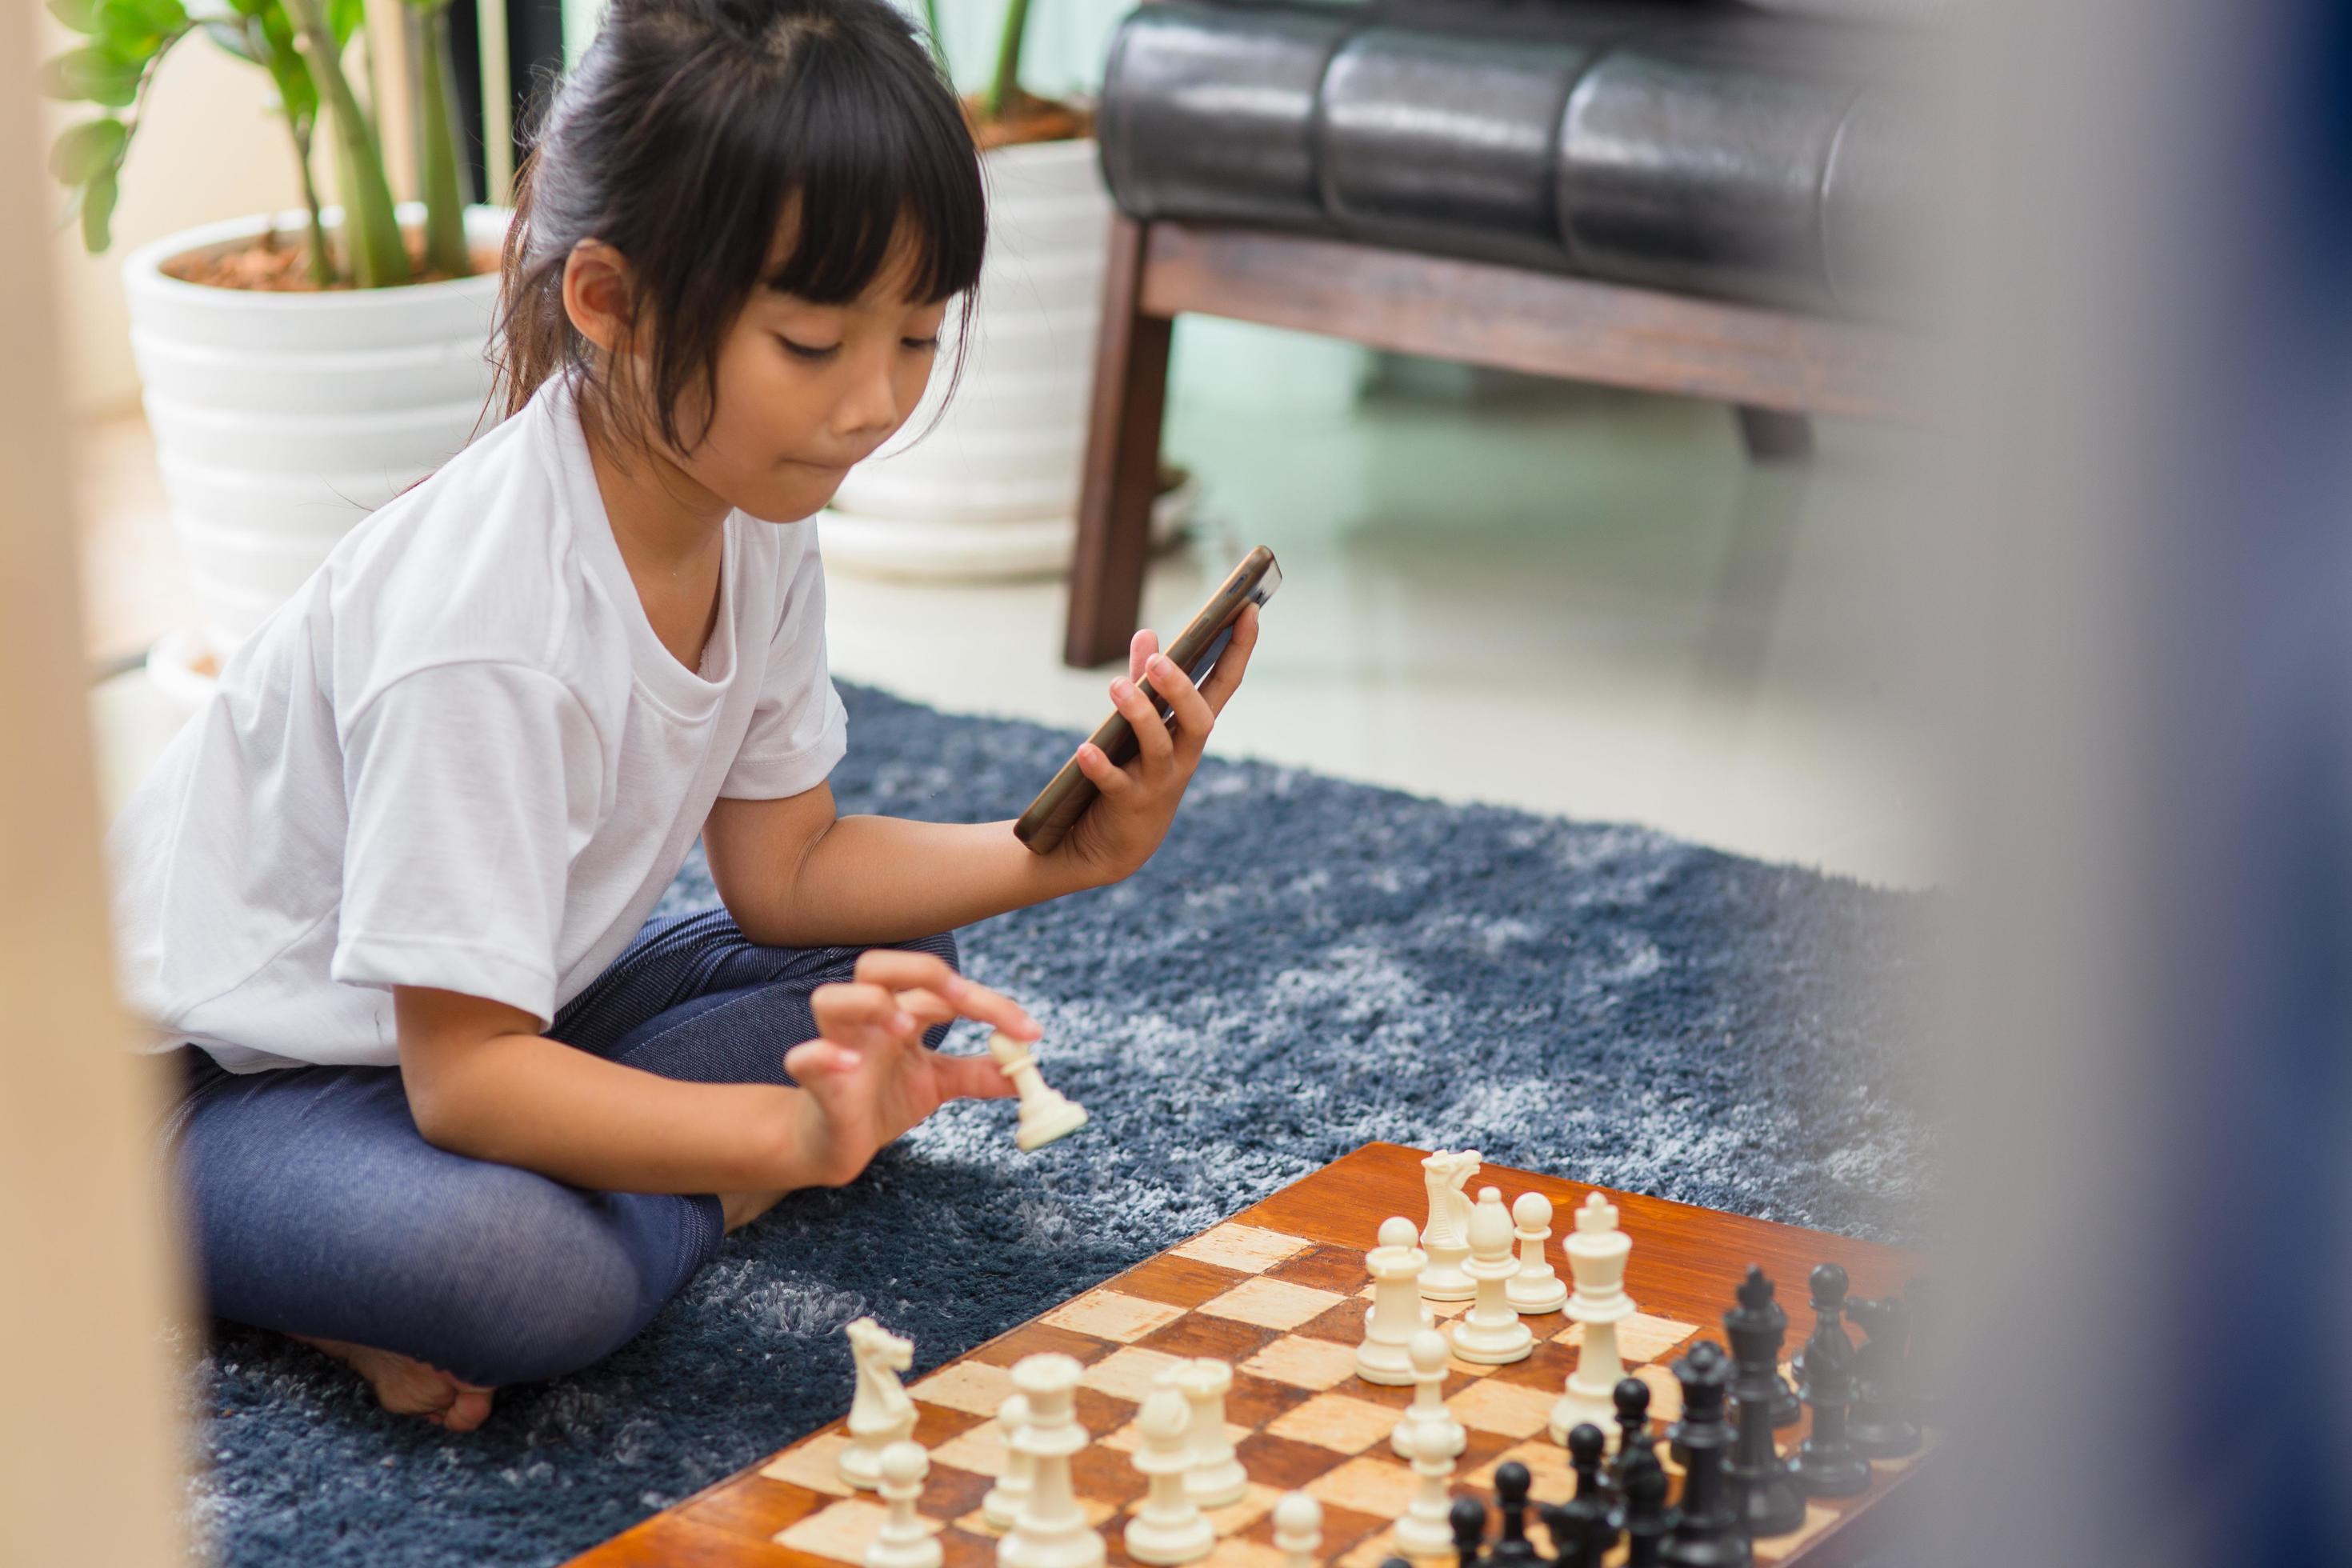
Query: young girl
455, 1111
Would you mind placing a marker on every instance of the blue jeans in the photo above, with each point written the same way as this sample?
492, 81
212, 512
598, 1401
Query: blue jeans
317, 1208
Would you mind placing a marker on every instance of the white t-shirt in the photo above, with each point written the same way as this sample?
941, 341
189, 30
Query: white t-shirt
459, 757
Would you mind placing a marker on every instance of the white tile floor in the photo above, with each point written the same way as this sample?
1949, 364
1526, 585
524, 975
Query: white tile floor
1561, 598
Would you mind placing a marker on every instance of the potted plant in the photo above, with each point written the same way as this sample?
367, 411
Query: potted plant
298, 369
992, 491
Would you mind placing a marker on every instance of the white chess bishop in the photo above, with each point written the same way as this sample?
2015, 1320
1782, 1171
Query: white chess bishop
1490, 1333
1044, 1114
1396, 1314
1446, 1236
1535, 1287
1596, 1259
880, 1413
1050, 1530
1168, 1526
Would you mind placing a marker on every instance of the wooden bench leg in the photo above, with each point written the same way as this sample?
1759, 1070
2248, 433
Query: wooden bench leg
1122, 465
1773, 436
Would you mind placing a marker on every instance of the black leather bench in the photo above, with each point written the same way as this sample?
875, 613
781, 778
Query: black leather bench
1684, 197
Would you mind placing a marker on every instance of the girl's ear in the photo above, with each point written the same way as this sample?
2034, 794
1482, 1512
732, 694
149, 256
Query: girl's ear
597, 296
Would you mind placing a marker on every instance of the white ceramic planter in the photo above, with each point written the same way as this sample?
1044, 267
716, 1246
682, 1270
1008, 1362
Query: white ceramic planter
281, 419
992, 491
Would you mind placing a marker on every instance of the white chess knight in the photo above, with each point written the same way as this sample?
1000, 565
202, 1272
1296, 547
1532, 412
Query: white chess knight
1396, 1314
1046, 1115
1596, 1259
1446, 1236
1428, 1407
1050, 1530
1215, 1477
1002, 1506
1535, 1287
1298, 1530
1168, 1526
1490, 1333
880, 1413
1425, 1530
904, 1541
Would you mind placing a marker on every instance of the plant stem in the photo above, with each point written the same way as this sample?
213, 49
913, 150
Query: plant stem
370, 228
1004, 90
437, 170
322, 260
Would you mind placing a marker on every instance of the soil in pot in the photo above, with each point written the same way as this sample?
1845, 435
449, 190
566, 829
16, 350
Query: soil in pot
278, 262
1029, 118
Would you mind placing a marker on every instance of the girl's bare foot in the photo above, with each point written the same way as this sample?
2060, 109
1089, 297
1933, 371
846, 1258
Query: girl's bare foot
406, 1387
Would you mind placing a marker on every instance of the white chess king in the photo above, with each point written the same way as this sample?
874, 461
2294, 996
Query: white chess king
1596, 1259
1045, 1115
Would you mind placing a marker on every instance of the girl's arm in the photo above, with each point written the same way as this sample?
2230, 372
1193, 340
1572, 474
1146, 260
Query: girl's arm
795, 875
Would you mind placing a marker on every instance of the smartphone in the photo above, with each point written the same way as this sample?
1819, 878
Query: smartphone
1065, 799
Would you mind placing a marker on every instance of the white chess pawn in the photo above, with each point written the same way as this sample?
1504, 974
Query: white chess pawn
880, 1413
1051, 1530
903, 1541
1002, 1506
1428, 1407
1446, 1236
1535, 1287
1396, 1314
1216, 1477
1167, 1527
1298, 1530
1425, 1530
1044, 1114
1490, 1333
1596, 1259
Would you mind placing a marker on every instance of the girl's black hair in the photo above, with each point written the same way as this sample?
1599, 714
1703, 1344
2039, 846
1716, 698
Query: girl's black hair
682, 138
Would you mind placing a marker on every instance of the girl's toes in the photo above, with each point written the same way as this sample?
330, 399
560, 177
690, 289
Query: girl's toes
467, 1410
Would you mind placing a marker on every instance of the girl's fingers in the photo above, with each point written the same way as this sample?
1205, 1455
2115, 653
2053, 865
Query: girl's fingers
1192, 715
1155, 746
971, 1078
812, 1059
1219, 688
927, 1007
902, 970
1105, 776
1140, 650
844, 1010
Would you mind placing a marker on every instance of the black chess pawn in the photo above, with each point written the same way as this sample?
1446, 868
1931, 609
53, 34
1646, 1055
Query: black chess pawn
1826, 1465
1468, 1518
1631, 1397
1876, 1423
1581, 1530
1762, 1486
1644, 1513
1756, 1329
1511, 1484
1709, 1533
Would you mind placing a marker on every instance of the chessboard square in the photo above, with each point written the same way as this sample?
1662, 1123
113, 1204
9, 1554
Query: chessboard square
981, 1451
1378, 1548
1254, 1503
754, 1505
1337, 1422
1367, 1484
1272, 1303
1325, 1267
961, 1549
1303, 1362
1129, 1373
1129, 1439
949, 1492
1247, 1247
1227, 1339
1547, 1461
1460, 1368
1109, 1315
1448, 1309
970, 1385
1343, 1324
1235, 1553
1547, 1367
816, 1464
1780, 1548
1641, 1337
1036, 1338
1514, 1409
1100, 1412
1179, 1281
935, 1424
1255, 1401
1094, 1509
842, 1532
1283, 1463
1666, 1394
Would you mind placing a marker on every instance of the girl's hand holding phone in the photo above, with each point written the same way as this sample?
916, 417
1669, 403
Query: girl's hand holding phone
1120, 830
867, 1075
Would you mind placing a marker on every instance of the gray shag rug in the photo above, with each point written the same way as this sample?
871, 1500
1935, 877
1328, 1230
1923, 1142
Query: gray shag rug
1307, 965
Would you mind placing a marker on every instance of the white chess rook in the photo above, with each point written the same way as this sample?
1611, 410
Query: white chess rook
1044, 1114
1298, 1530
1050, 1530
1446, 1236
1596, 1259
1002, 1506
1216, 1477
903, 1541
1535, 1287
880, 1413
1490, 1333
1396, 1314
1167, 1527
1428, 1407
1424, 1530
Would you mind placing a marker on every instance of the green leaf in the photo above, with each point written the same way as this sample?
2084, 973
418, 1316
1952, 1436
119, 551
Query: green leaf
346, 17
98, 214
81, 16
84, 152
93, 72
231, 36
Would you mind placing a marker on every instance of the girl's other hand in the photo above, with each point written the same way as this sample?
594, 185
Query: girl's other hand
867, 1076
1121, 831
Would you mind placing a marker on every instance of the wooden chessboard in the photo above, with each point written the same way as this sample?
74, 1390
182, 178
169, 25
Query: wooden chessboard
1279, 1290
